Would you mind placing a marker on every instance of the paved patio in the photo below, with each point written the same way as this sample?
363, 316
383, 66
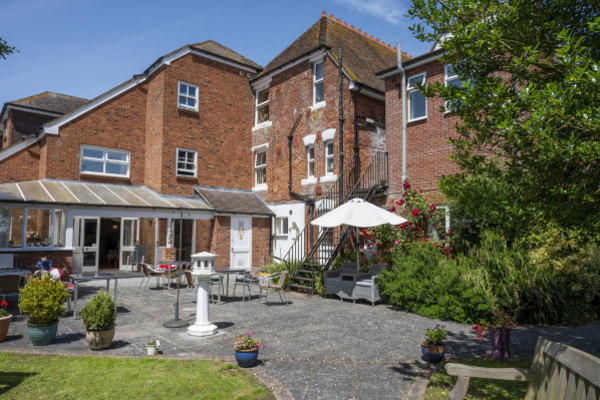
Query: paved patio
315, 348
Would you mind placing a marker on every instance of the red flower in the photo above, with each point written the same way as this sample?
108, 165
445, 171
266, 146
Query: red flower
393, 209
400, 202
3, 303
415, 212
406, 185
425, 240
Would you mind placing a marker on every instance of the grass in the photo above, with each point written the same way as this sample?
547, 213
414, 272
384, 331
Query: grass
24, 376
489, 389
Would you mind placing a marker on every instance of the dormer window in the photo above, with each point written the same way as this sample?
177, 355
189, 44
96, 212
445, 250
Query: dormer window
187, 96
262, 106
318, 82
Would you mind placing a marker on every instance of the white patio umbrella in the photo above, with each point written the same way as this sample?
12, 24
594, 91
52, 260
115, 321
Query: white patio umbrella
359, 214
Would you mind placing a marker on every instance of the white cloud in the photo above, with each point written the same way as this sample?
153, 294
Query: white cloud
388, 10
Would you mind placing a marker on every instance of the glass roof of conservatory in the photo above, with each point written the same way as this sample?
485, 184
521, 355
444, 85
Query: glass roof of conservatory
49, 191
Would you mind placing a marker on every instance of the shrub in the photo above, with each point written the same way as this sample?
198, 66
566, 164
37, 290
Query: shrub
428, 283
43, 299
100, 312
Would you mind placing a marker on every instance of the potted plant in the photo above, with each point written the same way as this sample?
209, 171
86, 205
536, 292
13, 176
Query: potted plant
246, 350
499, 327
99, 319
434, 348
43, 300
153, 347
5, 318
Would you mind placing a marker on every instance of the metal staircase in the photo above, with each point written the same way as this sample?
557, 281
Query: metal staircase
315, 248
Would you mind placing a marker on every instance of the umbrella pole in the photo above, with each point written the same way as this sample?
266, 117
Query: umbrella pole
356, 245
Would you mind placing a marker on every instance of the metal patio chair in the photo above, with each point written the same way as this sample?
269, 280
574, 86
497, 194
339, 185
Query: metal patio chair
245, 280
149, 271
266, 285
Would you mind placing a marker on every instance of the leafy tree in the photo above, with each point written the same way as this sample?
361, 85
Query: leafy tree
5, 49
529, 107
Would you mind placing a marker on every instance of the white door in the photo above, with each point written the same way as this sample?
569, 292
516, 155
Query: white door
87, 236
241, 242
129, 237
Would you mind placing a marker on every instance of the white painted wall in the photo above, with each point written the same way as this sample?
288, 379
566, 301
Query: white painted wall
295, 214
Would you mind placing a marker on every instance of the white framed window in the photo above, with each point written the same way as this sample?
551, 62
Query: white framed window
318, 82
329, 157
451, 78
281, 226
417, 102
260, 167
187, 162
187, 96
262, 107
104, 161
310, 157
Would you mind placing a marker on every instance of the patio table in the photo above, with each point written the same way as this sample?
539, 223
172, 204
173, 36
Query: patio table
91, 277
227, 272
14, 271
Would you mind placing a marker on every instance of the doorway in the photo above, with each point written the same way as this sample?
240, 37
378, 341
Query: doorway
110, 236
184, 238
241, 241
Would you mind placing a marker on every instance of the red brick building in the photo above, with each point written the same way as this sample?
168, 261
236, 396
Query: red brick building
428, 126
124, 168
205, 147
297, 130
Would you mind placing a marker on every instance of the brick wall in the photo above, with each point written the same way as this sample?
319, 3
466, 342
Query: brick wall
118, 124
220, 130
21, 166
427, 140
260, 242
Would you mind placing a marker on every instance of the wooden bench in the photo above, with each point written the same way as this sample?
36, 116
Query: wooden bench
557, 372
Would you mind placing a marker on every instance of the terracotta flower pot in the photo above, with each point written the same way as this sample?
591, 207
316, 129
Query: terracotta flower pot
4, 324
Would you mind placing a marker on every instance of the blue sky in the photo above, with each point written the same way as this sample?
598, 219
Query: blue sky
85, 47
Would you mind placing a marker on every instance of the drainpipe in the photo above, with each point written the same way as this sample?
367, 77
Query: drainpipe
341, 125
403, 88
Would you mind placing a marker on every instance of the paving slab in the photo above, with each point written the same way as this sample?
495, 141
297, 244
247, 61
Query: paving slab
316, 348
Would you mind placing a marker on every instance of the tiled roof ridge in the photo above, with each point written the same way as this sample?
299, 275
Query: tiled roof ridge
365, 34
44, 94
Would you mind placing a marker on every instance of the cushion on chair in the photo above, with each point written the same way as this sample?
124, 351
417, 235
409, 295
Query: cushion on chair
365, 282
167, 267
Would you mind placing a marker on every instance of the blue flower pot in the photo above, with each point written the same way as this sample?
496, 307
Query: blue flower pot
246, 359
42, 334
435, 355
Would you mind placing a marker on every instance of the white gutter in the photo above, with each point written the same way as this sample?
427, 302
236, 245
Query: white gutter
403, 88
357, 87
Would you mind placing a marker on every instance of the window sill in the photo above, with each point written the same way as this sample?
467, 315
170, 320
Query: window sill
190, 111
187, 177
262, 125
329, 178
308, 181
318, 105
93, 174
416, 119
260, 188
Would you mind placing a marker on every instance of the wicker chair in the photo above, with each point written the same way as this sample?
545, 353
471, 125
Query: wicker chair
341, 282
365, 286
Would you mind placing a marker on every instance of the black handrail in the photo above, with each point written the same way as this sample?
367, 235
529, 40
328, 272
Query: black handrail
319, 246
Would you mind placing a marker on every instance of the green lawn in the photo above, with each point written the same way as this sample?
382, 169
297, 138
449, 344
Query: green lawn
489, 389
24, 376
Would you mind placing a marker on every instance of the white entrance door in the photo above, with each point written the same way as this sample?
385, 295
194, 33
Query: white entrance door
87, 236
129, 237
241, 242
